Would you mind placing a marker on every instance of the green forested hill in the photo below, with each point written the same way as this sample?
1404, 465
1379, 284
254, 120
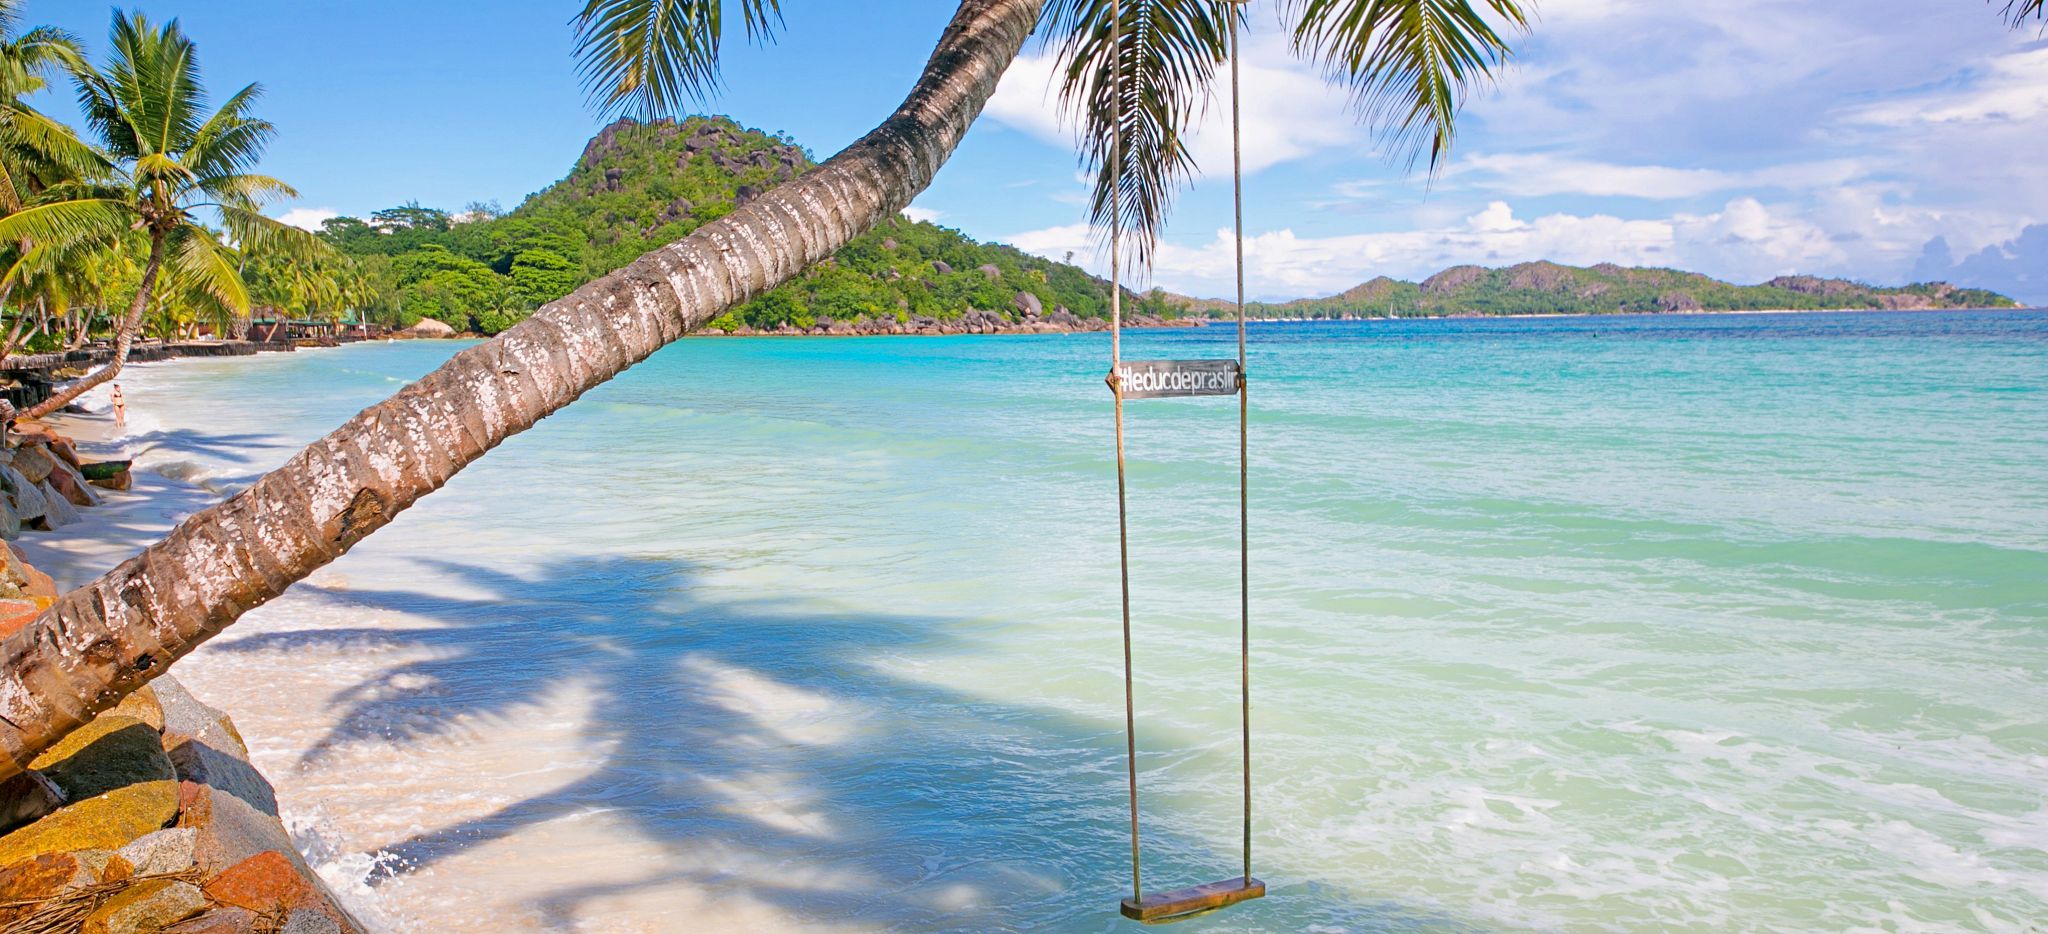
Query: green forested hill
638, 186
1550, 288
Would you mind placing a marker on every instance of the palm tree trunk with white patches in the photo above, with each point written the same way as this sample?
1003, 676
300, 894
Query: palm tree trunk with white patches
111, 636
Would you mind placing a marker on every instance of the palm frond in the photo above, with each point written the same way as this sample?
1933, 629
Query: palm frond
164, 169
648, 58
230, 140
29, 264
149, 97
30, 133
27, 61
1409, 63
254, 233
202, 266
101, 108
1137, 73
66, 221
248, 192
2017, 12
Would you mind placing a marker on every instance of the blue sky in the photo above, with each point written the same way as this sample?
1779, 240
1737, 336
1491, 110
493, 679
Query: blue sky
1741, 138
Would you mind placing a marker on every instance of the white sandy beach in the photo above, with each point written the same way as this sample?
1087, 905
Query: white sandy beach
348, 805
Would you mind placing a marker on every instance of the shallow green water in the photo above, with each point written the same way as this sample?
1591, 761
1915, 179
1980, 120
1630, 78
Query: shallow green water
1693, 622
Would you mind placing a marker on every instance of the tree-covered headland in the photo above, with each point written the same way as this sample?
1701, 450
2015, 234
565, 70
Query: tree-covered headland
638, 186
1550, 288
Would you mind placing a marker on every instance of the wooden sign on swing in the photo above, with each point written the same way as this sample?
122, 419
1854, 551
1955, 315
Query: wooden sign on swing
1155, 379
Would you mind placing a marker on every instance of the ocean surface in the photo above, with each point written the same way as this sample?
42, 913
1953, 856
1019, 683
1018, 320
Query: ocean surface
1716, 622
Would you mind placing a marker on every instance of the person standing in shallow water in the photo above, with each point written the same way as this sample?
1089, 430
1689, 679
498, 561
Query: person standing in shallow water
120, 408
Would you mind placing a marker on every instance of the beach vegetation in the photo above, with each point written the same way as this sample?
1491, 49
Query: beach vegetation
151, 224
173, 170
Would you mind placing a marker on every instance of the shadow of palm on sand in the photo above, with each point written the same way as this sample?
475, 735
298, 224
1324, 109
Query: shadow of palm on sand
756, 743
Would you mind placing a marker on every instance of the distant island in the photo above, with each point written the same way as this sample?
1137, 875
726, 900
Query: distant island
1550, 288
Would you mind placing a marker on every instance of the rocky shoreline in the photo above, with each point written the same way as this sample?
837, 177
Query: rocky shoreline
150, 817
27, 379
1060, 321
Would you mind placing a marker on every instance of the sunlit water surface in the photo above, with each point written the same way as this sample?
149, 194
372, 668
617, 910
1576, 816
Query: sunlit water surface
1682, 622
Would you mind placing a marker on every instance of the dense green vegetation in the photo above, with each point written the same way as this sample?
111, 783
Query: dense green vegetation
638, 186
152, 220
1549, 288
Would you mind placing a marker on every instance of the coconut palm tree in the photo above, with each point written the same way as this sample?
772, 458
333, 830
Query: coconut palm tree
175, 167
36, 152
96, 274
111, 636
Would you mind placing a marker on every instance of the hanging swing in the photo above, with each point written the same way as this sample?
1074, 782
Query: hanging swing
1144, 379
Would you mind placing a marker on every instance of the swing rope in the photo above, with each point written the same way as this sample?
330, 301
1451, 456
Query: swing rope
1116, 358
1244, 451
1244, 499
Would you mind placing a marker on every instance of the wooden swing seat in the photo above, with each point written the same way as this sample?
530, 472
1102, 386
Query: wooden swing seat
1199, 899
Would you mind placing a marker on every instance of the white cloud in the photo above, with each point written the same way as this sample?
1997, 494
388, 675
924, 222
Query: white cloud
1564, 11
1059, 242
1671, 83
308, 218
2010, 89
1531, 174
1289, 111
1745, 240
1739, 138
922, 215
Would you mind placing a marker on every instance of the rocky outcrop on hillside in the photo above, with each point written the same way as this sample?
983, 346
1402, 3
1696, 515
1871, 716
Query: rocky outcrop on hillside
1451, 280
1932, 295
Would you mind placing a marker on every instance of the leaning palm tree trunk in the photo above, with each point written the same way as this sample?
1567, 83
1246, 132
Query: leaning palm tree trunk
124, 338
105, 639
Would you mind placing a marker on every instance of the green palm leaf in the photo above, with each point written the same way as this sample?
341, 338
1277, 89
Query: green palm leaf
199, 265
248, 192
149, 98
27, 60
1138, 73
35, 262
230, 141
66, 221
255, 233
53, 145
649, 57
1409, 63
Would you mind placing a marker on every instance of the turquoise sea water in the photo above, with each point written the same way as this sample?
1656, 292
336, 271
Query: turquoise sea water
1679, 622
